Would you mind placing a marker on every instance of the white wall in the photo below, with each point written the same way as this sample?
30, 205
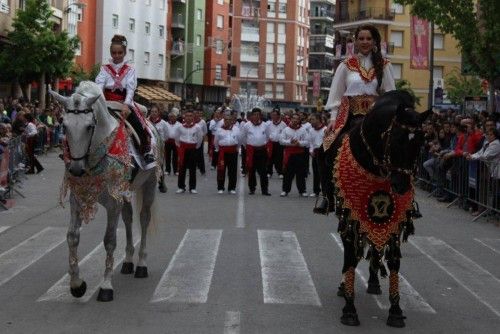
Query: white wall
138, 40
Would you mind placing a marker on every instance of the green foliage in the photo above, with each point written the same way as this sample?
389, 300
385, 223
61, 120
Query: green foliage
403, 84
459, 86
476, 27
78, 74
36, 48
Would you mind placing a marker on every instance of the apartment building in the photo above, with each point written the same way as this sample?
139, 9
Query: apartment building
81, 16
270, 50
393, 21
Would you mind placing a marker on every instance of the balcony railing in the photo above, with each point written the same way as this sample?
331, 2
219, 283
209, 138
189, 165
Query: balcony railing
324, 82
322, 31
178, 49
371, 13
322, 13
178, 21
321, 62
250, 11
320, 48
179, 1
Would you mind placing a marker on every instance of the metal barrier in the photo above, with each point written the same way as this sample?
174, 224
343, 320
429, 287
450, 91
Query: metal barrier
12, 168
469, 184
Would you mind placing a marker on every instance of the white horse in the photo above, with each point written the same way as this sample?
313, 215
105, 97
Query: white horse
93, 175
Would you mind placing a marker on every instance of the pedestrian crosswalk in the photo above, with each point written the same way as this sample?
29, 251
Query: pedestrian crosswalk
285, 274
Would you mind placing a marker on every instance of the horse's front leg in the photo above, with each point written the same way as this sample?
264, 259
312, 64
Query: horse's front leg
349, 313
373, 281
127, 216
78, 287
113, 212
148, 197
396, 318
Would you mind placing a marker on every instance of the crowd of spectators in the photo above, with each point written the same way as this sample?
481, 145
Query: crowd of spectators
451, 141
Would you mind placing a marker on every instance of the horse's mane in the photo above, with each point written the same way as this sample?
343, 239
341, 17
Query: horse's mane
88, 89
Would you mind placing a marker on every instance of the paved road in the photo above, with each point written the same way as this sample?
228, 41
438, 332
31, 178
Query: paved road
239, 264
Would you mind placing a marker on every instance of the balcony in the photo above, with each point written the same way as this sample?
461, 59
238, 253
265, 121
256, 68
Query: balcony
325, 82
178, 49
249, 57
322, 31
249, 34
320, 48
178, 21
250, 12
322, 14
321, 62
179, 1
371, 13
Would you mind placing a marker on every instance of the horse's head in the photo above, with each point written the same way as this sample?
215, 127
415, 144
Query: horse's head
399, 127
79, 123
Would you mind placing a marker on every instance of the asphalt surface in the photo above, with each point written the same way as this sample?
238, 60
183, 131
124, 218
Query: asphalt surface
239, 264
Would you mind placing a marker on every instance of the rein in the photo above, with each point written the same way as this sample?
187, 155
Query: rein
384, 164
86, 111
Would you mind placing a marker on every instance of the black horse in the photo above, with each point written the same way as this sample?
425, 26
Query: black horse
385, 145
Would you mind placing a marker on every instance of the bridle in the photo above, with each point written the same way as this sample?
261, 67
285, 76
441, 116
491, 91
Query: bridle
85, 111
384, 164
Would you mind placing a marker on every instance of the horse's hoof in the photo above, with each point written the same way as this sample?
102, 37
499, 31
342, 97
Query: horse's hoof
105, 295
80, 291
396, 320
141, 272
162, 188
127, 268
350, 319
341, 290
374, 289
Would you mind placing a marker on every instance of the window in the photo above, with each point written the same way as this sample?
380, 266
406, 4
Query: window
146, 58
199, 14
397, 38
268, 91
218, 72
198, 40
269, 71
398, 8
438, 41
78, 51
220, 21
131, 24
79, 15
162, 4
220, 2
160, 60
271, 8
114, 21
161, 31
147, 28
148, 2
437, 72
197, 65
280, 71
219, 46
281, 49
282, 8
398, 71
131, 55
22, 4
281, 28
280, 91
270, 27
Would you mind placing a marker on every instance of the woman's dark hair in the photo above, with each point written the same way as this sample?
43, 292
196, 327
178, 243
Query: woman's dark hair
495, 132
119, 40
29, 117
377, 60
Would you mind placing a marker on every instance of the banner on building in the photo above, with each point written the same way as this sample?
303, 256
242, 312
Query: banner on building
316, 83
419, 44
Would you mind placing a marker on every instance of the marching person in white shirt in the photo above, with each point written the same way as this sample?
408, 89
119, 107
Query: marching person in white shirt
214, 125
275, 125
255, 137
162, 128
295, 139
170, 147
316, 134
200, 158
188, 138
227, 140
31, 134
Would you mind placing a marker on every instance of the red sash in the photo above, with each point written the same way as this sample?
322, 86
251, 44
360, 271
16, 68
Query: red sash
111, 95
117, 76
289, 151
181, 152
221, 164
250, 152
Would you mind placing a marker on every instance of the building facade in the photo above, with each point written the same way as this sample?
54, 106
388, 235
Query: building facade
144, 25
393, 22
269, 50
82, 14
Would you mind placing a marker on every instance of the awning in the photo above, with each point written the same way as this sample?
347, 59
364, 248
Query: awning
156, 94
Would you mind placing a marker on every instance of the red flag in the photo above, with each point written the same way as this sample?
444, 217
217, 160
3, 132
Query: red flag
316, 83
419, 46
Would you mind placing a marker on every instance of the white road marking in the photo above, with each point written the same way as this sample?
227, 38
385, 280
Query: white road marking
188, 276
232, 322
4, 228
410, 299
240, 218
18, 258
472, 277
91, 270
285, 276
493, 244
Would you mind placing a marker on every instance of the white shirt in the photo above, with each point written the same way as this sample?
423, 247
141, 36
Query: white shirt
172, 128
316, 138
162, 129
255, 135
348, 82
214, 125
289, 134
129, 82
275, 130
192, 135
225, 137
30, 130
490, 154
203, 126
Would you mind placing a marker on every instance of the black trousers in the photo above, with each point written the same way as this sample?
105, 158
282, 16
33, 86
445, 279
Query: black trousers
316, 174
259, 166
200, 159
231, 166
190, 158
215, 158
295, 168
170, 157
276, 160
30, 151
243, 159
142, 133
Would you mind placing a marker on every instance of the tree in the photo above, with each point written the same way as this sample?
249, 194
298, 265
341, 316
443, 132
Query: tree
36, 52
459, 86
78, 74
405, 85
476, 27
